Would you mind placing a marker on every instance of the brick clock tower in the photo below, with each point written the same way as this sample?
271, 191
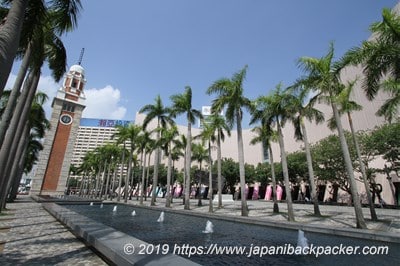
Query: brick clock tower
55, 159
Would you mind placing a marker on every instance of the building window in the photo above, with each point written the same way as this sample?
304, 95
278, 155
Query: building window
69, 107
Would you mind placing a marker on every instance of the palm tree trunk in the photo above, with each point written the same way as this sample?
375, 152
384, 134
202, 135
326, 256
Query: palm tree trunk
143, 177
127, 177
285, 175
245, 210
132, 177
168, 196
155, 172
274, 198
314, 197
349, 169
184, 176
121, 172
210, 185
18, 176
187, 166
199, 203
12, 100
374, 217
14, 133
107, 188
147, 176
10, 33
96, 189
103, 175
113, 183
219, 169
15, 179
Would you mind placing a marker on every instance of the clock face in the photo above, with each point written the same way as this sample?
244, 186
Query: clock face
66, 119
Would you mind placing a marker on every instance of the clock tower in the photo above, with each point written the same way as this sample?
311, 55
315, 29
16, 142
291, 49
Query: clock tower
55, 158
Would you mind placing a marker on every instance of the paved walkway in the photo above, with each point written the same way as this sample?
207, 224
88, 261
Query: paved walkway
31, 236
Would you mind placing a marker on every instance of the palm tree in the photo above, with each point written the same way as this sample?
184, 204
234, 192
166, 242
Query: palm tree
46, 44
217, 124
144, 148
65, 15
264, 135
121, 135
322, 76
199, 153
347, 106
182, 104
30, 145
108, 154
208, 134
9, 148
168, 139
162, 114
183, 146
379, 57
130, 134
305, 110
276, 109
230, 95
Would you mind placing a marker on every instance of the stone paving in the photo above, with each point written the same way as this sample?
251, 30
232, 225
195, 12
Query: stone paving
33, 237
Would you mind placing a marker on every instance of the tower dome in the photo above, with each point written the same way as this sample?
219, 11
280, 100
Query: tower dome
77, 68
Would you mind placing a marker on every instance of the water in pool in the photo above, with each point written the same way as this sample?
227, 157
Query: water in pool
186, 233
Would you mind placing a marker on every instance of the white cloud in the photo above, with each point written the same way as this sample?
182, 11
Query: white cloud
104, 103
100, 103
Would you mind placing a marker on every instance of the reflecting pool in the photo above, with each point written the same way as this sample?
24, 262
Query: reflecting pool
183, 235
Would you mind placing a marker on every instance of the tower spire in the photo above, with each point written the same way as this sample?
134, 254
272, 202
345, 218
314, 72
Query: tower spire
81, 56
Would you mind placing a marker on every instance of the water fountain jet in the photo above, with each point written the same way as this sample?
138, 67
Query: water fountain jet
209, 228
161, 218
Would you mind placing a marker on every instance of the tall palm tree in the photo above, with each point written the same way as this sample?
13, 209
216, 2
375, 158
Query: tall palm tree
9, 147
322, 76
230, 95
208, 134
131, 134
346, 106
66, 13
47, 45
108, 154
168, 138
162, 114
199, 154
217, 125
379, 57
121, 136
182, 104
144, 144
305, 110
277, 108
265, 135
30, 145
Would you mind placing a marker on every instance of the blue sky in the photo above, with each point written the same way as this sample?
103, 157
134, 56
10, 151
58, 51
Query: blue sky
135, 49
